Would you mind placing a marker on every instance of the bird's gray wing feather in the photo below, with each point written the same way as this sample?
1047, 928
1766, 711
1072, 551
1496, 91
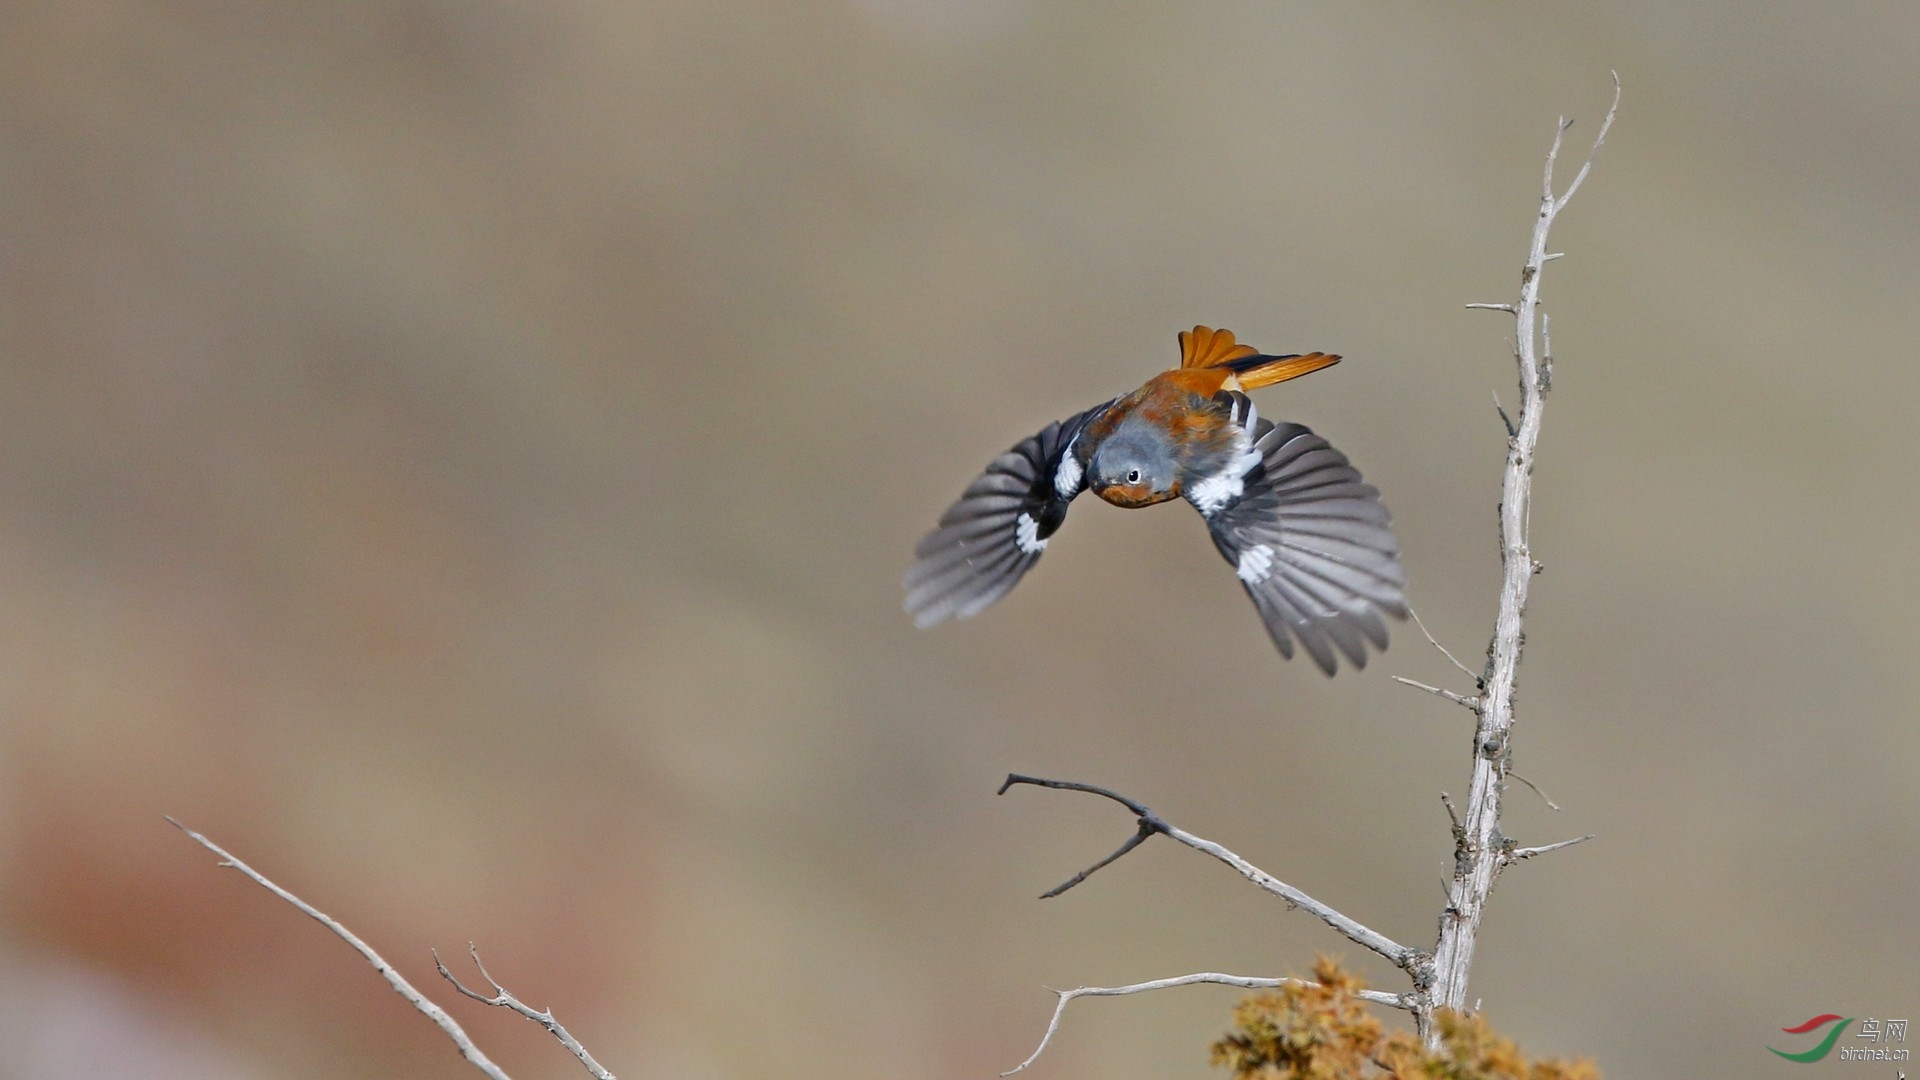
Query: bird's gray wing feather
1312, 546
997, 529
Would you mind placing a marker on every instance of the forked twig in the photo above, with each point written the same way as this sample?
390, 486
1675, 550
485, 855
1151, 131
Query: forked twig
405, 989
502, 999
1408, 959
394, 979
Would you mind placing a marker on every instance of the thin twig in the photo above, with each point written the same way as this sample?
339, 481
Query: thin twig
1453, 813
1544, 797
1471, 704
1505, 420
1139, 809
1508, 308
394, 979
1134, 841
1529, 852
1464, 670
1396, 1001
1587, 166
502, 999
1400, 955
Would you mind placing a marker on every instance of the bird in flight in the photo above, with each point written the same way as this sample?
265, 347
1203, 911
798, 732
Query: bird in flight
1308, 538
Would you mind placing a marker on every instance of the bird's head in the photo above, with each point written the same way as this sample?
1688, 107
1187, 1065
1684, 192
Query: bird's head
1134, 467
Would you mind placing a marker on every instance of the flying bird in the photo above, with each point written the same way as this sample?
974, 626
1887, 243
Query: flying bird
1308, 538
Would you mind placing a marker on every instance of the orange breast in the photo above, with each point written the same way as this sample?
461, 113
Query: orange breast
1133, 496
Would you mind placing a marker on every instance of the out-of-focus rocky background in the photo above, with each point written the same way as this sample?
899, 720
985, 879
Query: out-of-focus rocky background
462, 456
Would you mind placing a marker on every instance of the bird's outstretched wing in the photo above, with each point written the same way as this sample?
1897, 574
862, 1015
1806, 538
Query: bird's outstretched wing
996, 531
1310, 542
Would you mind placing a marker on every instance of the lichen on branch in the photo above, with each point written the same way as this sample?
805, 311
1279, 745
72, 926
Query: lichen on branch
1321, 1029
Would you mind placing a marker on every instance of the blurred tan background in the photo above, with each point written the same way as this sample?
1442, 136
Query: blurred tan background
462, 456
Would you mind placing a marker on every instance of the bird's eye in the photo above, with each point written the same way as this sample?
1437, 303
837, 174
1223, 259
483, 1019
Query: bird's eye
1133, 476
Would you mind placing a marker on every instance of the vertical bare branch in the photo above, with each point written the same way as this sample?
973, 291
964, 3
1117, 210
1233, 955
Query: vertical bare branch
1481, 848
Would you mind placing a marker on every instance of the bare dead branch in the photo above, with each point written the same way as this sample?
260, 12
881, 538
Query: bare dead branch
1508, 308
502, 999
1401, 956
1480, 848
1517, 854
1149, 823
1395, 1001
394, 979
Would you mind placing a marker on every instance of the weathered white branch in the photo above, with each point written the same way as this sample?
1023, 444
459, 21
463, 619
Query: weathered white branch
394, 979
1481, 848
502, 999
1402, 956
1396, 1001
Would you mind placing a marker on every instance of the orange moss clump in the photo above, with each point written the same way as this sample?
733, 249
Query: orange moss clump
1322, 1030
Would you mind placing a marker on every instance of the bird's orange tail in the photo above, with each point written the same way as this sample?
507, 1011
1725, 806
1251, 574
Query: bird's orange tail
1257, 371
1204, 347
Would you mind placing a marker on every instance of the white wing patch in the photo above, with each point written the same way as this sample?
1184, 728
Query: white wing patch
1066, 479
1256, 564
1214, 492
1211, 493
1026, 533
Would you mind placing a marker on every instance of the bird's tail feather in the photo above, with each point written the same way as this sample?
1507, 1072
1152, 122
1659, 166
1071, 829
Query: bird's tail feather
1205, 347
1257, 371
